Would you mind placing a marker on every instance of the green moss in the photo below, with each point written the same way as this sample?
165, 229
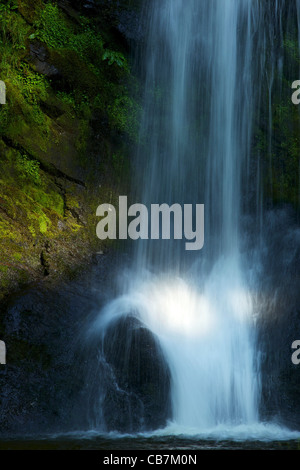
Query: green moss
47, 198
24, 121
124, 115
33, 85
6, 231
52, 27
77, 74
30, 10
71, 201
47, 135
17, 256
43, 223
75, 227
279, 147
285, 161
67, 98
56, 30
292, 49
29, 168
13, 27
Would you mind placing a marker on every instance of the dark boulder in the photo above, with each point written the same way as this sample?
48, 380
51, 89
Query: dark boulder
40, 56
138, 397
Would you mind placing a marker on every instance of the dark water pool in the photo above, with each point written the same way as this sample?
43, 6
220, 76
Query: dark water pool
139, 443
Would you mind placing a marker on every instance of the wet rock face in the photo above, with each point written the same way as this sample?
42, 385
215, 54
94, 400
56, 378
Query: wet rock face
138, 397
280, 377
40, 56
279, 321
42, 369
129, 22
58, 379
44, 385
123, 15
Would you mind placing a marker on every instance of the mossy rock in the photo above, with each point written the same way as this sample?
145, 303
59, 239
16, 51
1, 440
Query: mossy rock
30, 10
75, 74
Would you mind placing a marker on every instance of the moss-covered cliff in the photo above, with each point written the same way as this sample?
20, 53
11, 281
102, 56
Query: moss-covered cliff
65, 133
277, 134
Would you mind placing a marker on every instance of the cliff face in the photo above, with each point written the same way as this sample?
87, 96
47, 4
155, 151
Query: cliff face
70, 123
66, 135
66, 132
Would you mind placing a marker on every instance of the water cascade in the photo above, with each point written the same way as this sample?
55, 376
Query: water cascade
203, 66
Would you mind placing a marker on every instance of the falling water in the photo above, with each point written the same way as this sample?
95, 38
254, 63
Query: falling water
197, 117
202, 67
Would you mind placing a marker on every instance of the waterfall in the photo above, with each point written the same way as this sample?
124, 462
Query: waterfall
203, 67
197, 132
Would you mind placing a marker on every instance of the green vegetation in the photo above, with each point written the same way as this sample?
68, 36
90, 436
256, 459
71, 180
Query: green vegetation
68, 126
115, 58
124, 114
68, 101
29, 168
279, 146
